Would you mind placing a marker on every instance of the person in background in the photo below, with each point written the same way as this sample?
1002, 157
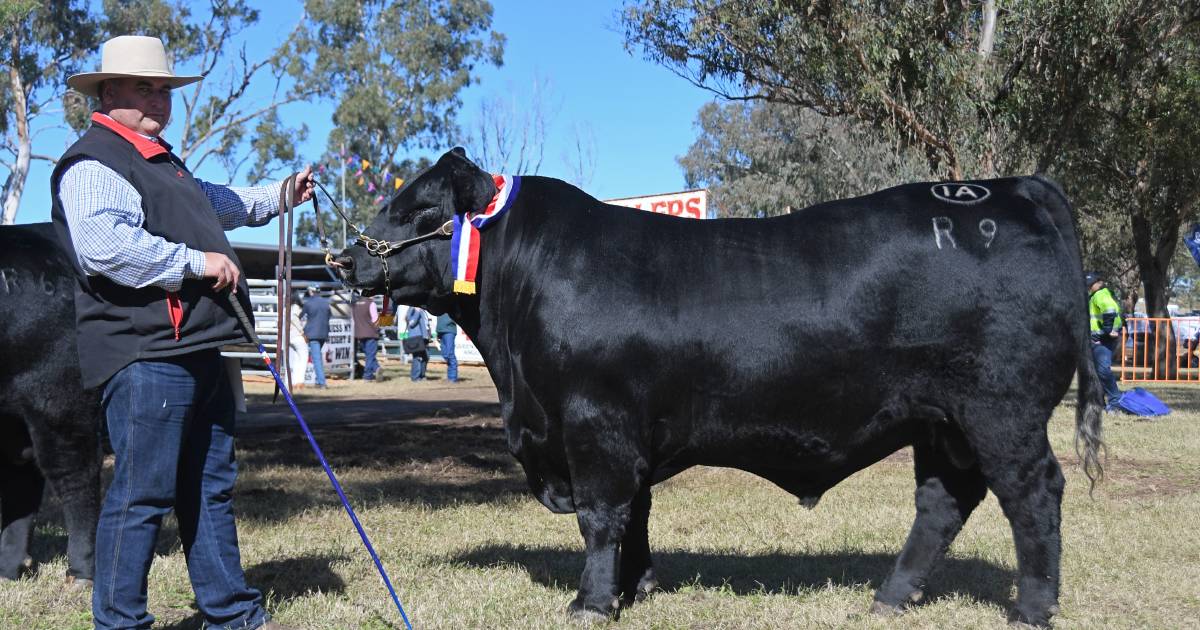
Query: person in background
366, 334
417, 324
446, 331
1106, 328
315, 313
155, 272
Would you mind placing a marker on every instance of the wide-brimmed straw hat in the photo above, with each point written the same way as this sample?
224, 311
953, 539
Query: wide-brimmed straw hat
129, 56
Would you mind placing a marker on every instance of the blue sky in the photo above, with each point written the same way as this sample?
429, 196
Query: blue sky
640, 115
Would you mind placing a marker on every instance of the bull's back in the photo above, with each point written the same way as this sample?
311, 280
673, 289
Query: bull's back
896, 271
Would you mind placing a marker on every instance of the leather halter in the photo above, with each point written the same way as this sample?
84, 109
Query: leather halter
379, 248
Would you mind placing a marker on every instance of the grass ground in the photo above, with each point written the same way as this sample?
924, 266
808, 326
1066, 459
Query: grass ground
467, 547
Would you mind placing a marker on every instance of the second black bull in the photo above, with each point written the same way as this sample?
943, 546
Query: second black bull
629, 346
49, 425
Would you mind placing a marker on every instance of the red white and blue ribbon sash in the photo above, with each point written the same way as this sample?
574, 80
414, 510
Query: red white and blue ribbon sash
464, 244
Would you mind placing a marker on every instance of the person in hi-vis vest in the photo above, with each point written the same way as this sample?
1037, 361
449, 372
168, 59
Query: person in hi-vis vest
1106, 325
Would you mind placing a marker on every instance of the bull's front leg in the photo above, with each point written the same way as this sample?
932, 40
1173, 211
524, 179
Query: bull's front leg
608, 472
602, 528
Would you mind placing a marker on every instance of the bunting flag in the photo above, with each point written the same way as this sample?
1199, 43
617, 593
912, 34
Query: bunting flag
468, 227
365, 174
1192, 240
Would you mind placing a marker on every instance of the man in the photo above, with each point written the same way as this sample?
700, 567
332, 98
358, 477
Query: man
1106, 326
366, 334
154, 268
315, 313
446, 331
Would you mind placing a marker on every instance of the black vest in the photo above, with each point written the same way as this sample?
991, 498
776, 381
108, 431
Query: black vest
116, 324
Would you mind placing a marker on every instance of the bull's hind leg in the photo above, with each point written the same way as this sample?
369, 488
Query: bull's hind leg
1022, 471
946, 494
637, 571
1030, 493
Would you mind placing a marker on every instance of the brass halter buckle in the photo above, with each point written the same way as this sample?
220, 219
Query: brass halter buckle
384, 249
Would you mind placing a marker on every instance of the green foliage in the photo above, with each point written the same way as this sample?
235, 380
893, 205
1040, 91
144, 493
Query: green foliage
912, 70
1098, 93
759, 159
44, 42
396, 70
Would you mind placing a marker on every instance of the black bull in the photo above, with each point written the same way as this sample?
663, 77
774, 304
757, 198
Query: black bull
48, 424
629, 346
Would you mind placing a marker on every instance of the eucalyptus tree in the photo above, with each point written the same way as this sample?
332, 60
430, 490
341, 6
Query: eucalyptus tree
43, 43
761, 158
1100, 94
395, 71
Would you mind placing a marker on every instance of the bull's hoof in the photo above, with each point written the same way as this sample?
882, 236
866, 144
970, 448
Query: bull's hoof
1024, 619
591, 614
23, 569
885, 609
810, 503
645, 587
78, 584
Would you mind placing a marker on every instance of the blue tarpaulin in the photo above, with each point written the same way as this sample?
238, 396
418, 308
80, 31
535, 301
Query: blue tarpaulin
1192, 240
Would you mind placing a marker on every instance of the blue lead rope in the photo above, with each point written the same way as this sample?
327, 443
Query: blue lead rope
241, 315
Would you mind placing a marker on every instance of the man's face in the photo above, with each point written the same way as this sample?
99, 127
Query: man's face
141, 104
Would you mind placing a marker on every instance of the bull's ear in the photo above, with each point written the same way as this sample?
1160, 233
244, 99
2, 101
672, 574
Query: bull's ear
472, 187
459, 150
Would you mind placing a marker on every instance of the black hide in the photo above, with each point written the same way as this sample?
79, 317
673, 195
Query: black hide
628, 346
48, 423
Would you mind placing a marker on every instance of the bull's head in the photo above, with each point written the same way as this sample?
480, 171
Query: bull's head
418, 274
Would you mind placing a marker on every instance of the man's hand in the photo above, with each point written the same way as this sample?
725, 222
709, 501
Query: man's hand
219, 267
304, 185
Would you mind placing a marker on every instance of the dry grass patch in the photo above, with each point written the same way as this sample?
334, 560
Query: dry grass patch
468, 547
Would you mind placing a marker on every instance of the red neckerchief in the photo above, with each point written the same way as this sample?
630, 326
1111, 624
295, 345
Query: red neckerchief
147, 147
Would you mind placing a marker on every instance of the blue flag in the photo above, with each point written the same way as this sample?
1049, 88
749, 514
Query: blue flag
1192, 240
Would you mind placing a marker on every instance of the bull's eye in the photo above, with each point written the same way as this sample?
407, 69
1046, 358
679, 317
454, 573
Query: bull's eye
423, 219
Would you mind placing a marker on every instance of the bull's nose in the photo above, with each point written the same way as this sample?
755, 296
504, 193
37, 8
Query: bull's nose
343, 262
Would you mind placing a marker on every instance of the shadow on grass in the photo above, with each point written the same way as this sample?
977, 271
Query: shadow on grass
288, 578
280, 581
429, 461
772, 573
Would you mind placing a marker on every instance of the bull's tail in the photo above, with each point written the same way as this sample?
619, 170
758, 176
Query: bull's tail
1089, 443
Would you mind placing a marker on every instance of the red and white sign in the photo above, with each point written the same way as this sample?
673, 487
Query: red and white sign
692, 204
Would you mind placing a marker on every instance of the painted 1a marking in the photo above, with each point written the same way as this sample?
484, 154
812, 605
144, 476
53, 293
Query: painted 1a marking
962, 194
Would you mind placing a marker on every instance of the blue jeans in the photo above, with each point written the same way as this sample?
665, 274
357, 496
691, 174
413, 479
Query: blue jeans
171, 423
1102, 354
446, 341
419, 361
369, 348
318, 359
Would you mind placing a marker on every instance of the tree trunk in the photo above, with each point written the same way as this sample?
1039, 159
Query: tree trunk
987, 36
15, 184
1154, 256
